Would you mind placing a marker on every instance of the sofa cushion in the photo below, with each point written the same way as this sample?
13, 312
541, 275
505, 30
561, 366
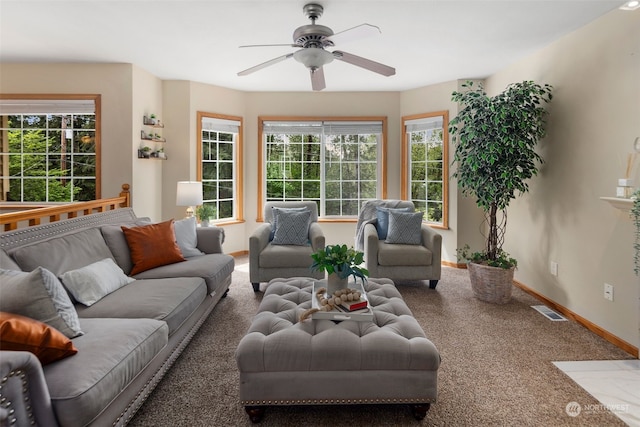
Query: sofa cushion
7, 262
382, 220
110, 355
19, 333
213, 268
404, 228
40, 296
406, 255
170, 300
186, 237
61, 254
292, 228
92, 282
275, 256
152, 245
117, 243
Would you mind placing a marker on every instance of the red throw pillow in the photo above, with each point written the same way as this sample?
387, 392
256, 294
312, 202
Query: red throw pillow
152, 245
20, 333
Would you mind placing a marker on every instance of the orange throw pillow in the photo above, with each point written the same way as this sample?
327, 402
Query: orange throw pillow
20, 333
152, 245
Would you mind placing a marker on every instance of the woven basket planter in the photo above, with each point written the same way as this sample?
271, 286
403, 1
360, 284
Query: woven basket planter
491, 284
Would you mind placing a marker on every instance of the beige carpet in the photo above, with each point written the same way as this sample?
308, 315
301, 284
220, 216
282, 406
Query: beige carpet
496, 366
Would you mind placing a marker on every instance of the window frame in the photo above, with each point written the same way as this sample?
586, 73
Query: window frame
97, 101
406, 169
261, 156
237, 161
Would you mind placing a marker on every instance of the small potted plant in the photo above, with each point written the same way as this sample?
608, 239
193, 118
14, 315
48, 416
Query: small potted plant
144, 152
205, 213
340, 262
161, 153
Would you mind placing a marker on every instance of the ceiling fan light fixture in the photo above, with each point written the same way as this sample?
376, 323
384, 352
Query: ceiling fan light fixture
630, 5
313, 57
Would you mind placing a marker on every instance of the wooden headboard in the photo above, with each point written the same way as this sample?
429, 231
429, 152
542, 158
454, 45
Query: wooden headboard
32, 217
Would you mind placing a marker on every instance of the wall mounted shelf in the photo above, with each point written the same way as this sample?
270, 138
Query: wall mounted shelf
619, 203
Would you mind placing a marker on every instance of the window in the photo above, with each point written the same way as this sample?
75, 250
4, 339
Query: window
424, 165
50, 148
219, 164
337, 163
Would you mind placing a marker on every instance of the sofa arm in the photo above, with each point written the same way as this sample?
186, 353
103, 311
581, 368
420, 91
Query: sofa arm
371, 249
258, 240
432, 240
316, 236
25, 396
210, 239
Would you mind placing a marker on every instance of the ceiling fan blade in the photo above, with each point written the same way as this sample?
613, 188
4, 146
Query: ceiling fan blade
359, 32
265, 64
365, 63
317, 79
270, 45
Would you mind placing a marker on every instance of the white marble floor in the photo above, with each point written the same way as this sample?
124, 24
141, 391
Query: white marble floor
615, 383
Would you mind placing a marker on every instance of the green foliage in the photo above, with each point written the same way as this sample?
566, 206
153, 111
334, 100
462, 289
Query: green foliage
635, 215
494, 140
340, 259
205, 212
502, 260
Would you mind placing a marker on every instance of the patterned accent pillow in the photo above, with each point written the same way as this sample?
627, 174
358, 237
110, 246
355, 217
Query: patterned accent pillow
382, 226
152, 246
293, 228
20, 333
90, 284
275, 210
404, 228
40, 296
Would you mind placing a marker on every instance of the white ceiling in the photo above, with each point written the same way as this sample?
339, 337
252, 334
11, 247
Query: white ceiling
427, 41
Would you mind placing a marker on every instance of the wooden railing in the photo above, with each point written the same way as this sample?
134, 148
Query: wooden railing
31, 217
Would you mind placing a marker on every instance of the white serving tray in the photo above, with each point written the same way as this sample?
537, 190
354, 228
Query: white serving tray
364, 315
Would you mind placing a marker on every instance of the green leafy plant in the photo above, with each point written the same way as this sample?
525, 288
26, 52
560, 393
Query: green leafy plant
494, 140
635, 216
502, 260
340, 259
205, 212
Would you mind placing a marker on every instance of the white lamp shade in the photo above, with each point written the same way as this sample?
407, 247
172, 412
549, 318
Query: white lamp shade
189, 193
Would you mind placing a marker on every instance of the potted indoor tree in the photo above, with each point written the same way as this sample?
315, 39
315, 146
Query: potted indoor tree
495, 139
205, 213
340, 262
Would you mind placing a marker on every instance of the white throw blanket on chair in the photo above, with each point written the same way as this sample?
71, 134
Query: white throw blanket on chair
369, 215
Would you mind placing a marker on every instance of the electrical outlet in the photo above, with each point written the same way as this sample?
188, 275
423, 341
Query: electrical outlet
553, 268
608, 292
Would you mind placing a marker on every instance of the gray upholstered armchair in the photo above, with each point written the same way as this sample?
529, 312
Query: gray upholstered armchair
414, 255
281, 249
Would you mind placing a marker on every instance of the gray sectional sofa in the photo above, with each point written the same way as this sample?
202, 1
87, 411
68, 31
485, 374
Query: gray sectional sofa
130, 337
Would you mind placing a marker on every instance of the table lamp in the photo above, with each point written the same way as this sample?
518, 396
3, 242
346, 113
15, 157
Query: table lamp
189, 193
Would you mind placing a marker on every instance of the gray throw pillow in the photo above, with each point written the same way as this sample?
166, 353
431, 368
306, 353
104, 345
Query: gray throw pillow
275, 210
293, 228
405, 228
382, 224
40, 296
91, 283
117, 243
185, 230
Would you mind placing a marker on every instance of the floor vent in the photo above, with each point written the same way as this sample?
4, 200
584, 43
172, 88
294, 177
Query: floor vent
548, 313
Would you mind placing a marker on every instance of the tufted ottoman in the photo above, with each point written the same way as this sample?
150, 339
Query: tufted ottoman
283, 361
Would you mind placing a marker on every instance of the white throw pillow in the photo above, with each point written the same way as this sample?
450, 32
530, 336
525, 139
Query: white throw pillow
91, 283
185, 230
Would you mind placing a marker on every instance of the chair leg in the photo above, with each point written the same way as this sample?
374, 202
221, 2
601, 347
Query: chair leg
256, 287
432, 284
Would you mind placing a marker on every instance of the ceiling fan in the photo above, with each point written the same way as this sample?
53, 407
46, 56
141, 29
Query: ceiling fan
313, 39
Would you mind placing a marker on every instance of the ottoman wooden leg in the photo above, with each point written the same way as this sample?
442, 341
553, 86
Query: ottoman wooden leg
257, 412
420, 410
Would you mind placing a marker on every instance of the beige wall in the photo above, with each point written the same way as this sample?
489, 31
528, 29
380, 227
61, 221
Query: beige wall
593, 123
591, 129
